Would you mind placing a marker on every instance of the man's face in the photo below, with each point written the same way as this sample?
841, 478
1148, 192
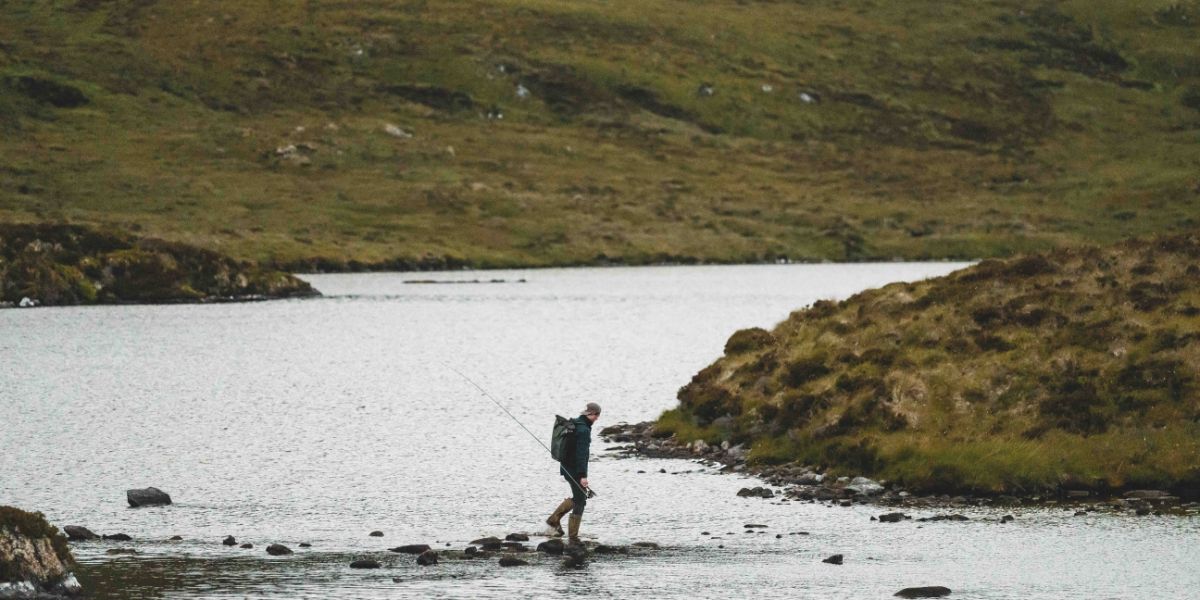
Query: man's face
593, 417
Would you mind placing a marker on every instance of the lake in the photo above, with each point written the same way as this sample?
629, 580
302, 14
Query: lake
321, 420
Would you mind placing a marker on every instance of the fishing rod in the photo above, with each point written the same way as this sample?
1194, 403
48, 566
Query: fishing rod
588, 490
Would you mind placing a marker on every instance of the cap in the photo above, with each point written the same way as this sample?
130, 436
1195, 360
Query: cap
591, 409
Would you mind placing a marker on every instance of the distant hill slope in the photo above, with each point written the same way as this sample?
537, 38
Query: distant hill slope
71, 264
572, 132
1077, 368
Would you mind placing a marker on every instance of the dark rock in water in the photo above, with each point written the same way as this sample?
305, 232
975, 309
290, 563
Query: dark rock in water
606, 549
176, 538
376, 534
936, 518
305, 545
512, 561
846, 503
247, 546
365, 563
76, 533
754, 526
576, 556
472, 550
1007, 518
121, 551
836, 559
486, 540
513, 547
517, 537
278, 550
551, 546
1081, 513
756, 492
935, 591
410, 549
650, 545
118, 537
427, 558
229, 541
1141, 512
147, 497
892, 517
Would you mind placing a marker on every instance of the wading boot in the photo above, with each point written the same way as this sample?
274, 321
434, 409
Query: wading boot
573, 529
555, 520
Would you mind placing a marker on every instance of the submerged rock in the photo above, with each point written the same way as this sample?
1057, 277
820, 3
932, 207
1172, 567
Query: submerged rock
365, 563
836, 559
278, 550
150, 496
76, 533
554, 546
176, 538
247, 546
934, 591
512, 561
229, 541
376, 534
410, 549
116, 551
427, 558
34, 558
893, 517
119, 537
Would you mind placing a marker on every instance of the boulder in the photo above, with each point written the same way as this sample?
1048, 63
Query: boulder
486, 540
376, 534
1007, 519
147, 497
76, 533
247, 546
934, 591
35, 561
119, 537
229, 541
427, 558
836, 559
278, 550
865, 487
365, 563
554, 546
756, 492
176, 538
517, 537
410, 549
512, 561
892, 517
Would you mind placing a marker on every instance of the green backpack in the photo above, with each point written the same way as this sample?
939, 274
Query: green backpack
562, 438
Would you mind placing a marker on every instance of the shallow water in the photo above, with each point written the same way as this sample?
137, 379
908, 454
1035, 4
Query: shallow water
321, 420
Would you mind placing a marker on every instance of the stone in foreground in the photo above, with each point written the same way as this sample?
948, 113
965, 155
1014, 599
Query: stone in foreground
934, 591
34, 559
150, 496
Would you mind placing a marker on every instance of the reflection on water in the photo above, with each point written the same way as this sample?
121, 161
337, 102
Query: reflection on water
321, 420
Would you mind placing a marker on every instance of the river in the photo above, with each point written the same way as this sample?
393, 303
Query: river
321, 420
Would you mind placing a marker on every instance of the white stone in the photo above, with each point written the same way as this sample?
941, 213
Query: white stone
395, 131
522, 91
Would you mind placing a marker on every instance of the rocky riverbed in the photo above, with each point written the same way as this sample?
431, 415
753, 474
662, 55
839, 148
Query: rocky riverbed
810, 483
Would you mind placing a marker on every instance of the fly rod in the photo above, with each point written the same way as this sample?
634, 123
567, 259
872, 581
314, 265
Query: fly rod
587, 490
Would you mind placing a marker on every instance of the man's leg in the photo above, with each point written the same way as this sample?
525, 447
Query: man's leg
578, 502
555, 520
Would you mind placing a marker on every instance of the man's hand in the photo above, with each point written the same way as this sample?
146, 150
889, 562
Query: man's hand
583, 483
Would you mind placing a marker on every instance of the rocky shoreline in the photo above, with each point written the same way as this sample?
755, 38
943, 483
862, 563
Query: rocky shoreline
809, 483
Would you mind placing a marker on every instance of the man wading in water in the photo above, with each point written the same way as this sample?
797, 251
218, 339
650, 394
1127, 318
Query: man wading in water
574, 470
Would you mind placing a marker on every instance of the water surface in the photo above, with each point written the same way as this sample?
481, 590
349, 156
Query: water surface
321, 420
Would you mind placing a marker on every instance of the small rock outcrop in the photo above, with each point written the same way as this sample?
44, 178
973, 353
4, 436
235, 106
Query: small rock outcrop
150, 496
34, 559
934, 591
427, 558
278, 550
76, 533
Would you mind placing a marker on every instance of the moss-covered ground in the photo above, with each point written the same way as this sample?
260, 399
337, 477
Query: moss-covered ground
1077, 368
580, 132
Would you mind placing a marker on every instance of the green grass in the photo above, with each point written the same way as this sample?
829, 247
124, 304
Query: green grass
944, 129
1076, 367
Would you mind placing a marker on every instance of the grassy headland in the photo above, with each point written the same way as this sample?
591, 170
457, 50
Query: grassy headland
1077, 369
528, 132
72, 264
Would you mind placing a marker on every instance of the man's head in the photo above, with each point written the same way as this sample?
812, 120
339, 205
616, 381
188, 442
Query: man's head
592, 411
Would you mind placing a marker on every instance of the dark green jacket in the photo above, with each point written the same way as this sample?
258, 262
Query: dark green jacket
575, 463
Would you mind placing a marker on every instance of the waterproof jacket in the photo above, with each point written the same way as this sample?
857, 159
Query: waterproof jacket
575, 463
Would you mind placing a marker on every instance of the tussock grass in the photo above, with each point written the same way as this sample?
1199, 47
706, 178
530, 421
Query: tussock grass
1076, 367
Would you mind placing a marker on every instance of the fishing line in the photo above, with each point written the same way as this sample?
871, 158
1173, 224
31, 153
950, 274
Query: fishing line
588, 491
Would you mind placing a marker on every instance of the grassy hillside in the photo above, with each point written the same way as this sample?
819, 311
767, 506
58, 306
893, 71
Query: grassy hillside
1076, 368
567, 131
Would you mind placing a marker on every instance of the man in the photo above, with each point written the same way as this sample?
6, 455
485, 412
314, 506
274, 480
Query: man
575, 470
